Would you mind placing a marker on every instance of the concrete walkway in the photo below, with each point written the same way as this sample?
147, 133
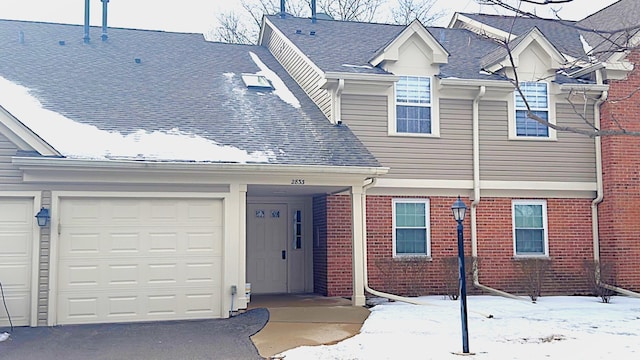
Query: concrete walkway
297, 320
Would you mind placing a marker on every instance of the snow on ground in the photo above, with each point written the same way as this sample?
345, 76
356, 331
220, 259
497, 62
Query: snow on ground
552, 328
75, 140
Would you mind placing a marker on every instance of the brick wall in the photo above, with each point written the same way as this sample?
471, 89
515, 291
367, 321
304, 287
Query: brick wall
320, 245
619, 212
570, 244
339, 246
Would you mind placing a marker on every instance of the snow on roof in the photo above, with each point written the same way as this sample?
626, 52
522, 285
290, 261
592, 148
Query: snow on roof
82, 141
280, 88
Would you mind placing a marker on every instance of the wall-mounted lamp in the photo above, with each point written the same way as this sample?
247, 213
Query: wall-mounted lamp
43, 217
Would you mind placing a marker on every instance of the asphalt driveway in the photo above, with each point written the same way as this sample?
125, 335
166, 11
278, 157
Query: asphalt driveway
197, 339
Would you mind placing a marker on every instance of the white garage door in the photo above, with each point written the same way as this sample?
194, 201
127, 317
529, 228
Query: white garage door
16, 237
139, 260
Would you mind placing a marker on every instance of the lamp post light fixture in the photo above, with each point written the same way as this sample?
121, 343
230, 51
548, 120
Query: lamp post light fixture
43, 217
459, 210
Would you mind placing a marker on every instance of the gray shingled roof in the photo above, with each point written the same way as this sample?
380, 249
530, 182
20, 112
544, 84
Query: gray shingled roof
179, 82
561, 33
623, 15
337, 43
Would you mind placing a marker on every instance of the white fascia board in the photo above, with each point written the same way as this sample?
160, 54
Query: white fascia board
293, 46
332, 75
60, 169
482, 29
391, 51
537, 185
458, 82
22, 136
565, 88
424, 183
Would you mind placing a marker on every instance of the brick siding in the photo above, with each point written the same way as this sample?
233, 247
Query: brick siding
570, 245
619, 212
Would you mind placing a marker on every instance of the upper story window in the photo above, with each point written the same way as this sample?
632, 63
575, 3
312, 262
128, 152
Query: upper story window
411, 227
530, 227
413, 105
537, 96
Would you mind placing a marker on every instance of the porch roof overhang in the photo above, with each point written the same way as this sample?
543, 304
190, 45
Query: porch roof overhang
266, 176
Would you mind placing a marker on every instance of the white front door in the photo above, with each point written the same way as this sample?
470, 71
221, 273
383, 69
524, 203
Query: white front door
267, 251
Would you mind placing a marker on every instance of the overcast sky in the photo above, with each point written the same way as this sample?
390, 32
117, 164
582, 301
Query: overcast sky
199, 15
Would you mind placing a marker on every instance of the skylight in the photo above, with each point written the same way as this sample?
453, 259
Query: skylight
256, 81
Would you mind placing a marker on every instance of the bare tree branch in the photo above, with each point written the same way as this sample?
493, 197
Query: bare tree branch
407, 11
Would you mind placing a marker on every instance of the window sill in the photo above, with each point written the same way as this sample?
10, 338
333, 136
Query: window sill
527, 257
401, 258
532, 138
419, 135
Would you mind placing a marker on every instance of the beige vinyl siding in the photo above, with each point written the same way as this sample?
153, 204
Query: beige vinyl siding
300, 70
9, 174
569, 159
446, 158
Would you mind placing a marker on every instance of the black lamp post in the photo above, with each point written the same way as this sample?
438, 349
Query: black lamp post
459, 209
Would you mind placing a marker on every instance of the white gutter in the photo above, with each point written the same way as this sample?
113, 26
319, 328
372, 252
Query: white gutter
365, 272
46, 163
594, 205
476, 198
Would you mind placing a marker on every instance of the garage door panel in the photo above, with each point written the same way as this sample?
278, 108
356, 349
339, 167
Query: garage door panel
18, 303
16, 213
16, 246
163, 242
154, 259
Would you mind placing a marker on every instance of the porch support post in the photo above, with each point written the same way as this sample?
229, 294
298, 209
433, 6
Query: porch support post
357, 212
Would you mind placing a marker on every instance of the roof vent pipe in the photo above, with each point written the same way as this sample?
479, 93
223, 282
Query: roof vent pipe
314, 14
104, 20
86, 21
282, 9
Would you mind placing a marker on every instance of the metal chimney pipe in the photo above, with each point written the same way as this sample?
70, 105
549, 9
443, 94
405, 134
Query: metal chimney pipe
282, 8
104, 20
314, 15
86, 22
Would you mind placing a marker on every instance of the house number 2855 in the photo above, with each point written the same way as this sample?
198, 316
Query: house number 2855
297, 181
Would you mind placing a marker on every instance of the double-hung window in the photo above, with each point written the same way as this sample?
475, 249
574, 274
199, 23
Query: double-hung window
537, 96
413, 105
411, 227
530, 227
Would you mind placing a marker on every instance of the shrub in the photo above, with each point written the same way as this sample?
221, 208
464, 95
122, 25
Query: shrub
598, 273
451, 275
534, 271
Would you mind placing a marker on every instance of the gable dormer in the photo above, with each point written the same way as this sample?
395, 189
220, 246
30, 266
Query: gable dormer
534, 57
414, 48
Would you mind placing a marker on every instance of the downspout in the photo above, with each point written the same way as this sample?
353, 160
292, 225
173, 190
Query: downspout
381, 294
476, 198
337, 113
599, 197
364, 250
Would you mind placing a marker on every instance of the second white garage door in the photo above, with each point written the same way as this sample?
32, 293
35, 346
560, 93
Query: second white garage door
139, 260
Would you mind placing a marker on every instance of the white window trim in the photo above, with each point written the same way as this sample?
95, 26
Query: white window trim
545, 224
427, 222
551, 102
435, 111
